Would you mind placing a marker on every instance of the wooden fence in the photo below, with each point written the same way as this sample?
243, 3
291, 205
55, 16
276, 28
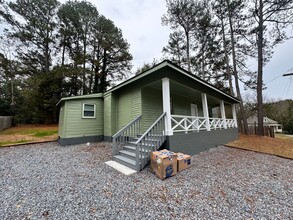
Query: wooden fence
268, 131
5, 122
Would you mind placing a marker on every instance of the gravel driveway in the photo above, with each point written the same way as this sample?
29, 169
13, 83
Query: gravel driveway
47, 181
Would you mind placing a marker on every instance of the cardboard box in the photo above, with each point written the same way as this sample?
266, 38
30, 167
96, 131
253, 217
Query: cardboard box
164, 163
183, 161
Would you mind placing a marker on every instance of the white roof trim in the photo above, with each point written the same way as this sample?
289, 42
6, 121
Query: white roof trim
96, 95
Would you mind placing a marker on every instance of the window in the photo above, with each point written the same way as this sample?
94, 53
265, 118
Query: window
89, 111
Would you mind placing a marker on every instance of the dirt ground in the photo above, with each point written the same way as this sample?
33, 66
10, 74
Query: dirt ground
282, 145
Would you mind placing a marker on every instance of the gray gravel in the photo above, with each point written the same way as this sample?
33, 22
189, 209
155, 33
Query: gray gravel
47, 181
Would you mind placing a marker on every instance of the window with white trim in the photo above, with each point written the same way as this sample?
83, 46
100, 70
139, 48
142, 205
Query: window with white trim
89, 111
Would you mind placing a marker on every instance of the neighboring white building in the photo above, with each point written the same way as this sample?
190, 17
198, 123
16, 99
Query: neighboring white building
251, 121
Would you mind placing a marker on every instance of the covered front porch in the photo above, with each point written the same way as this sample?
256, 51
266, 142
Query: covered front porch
187, 109
194, 120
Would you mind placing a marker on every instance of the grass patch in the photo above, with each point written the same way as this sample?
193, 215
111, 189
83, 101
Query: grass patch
284, 136
3, 143
44, 133
279, 146
28, 133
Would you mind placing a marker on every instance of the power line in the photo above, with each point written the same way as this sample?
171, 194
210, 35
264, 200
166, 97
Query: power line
290, 82
274, 79
287, 73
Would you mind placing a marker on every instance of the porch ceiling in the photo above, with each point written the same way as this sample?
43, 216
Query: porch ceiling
185, 91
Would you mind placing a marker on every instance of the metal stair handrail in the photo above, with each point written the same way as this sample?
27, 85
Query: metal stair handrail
150, 141
126, 134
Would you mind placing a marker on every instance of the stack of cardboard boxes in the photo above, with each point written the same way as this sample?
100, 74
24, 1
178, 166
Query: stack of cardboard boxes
166, 163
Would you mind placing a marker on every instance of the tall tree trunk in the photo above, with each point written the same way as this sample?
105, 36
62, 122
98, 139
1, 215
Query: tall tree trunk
226, 58
92, 70
63, 52
97, 69
260, 71
83, 71
187, 49
12, 91
245, 126
47, 52
103, 73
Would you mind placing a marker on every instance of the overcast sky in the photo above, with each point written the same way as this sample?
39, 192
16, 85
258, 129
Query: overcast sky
140, 21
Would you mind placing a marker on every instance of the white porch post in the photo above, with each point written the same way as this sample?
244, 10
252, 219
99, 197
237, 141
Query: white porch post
205, 110
223, 114
234, 114
166, 105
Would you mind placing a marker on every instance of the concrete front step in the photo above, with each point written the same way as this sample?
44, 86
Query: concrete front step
125, 161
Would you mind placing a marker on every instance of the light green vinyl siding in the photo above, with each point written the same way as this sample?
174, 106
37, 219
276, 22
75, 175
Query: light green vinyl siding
76, 126
180, 105
110, 119
152, 106
124, 109
128, 106
108, 115
135, 103
200, 111
61, 120
113, 114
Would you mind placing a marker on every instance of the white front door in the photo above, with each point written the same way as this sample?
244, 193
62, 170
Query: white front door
194, 113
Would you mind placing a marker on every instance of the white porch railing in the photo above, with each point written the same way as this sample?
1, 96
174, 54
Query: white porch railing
231, 123
183, 123
217, 123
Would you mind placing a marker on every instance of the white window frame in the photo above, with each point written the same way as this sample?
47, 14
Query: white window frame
83, 116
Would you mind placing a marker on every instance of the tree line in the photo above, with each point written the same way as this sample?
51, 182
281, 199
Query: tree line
50, 50
218, 39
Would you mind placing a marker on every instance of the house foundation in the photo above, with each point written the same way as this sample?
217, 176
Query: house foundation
195, 142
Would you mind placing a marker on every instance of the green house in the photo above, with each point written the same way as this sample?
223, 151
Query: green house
165, 106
